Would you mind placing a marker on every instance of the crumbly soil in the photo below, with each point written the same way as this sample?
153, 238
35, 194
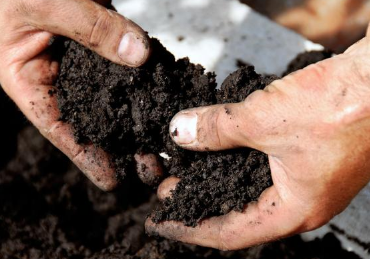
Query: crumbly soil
127, 110
307, 58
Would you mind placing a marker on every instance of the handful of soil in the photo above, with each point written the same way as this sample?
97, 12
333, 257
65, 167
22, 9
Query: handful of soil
127, 110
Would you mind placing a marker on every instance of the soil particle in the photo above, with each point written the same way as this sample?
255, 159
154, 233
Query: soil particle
227, 110
240, 63
175, 133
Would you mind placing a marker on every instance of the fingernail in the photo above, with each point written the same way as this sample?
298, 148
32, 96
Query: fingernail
183, 128
133, 49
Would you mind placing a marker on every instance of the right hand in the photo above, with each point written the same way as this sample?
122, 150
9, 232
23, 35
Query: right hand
313, 124
27, 71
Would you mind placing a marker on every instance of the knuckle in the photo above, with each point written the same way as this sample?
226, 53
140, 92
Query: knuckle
317, 69
100, 29
208, 128
217, 124
258, 115
256, 97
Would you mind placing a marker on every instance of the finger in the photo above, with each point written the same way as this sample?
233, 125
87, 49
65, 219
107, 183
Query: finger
32, 95
102, 30
220, 127
92, 161
266, 220
166, 187
149, 169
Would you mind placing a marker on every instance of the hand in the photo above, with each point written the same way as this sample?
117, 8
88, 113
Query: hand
27, 71
315, 127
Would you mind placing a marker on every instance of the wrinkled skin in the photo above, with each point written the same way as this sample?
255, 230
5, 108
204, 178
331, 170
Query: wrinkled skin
313, 124
27, 71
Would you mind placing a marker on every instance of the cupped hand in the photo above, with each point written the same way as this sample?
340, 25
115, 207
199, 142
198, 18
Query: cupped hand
27, 71
313, 124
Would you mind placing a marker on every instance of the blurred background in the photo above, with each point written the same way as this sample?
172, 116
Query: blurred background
336, 24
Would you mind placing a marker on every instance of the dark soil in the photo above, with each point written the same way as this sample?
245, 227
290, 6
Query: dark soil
11, 122
48, 209
127, 110
307, 58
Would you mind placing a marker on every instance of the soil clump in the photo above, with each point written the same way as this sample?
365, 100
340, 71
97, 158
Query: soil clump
127, 110
307, 58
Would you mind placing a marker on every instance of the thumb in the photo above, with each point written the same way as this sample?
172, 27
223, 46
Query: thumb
216, 127
102, 30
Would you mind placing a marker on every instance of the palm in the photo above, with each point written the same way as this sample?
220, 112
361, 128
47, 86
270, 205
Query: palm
27, 71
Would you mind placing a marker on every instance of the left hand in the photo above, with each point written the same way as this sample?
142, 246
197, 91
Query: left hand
27, 70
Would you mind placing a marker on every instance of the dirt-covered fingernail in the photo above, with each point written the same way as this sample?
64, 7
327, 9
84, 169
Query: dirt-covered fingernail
133, 49
183, 128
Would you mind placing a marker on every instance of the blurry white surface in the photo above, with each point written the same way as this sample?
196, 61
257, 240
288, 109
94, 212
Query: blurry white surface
217, 33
